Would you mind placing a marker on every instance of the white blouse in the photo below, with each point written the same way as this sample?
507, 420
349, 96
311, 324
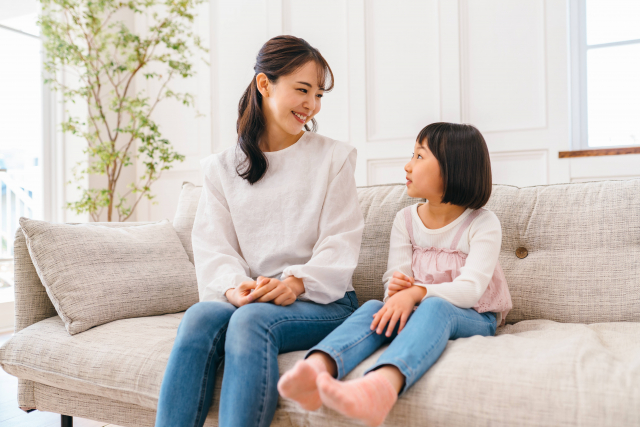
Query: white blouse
301, 219
481, 241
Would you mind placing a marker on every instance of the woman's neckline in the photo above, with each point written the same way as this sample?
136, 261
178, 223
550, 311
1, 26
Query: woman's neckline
272, 153
452, 224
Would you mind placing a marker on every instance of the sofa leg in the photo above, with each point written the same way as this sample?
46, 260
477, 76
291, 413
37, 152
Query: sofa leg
66, 421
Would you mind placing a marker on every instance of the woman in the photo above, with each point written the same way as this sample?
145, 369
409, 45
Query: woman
276, 239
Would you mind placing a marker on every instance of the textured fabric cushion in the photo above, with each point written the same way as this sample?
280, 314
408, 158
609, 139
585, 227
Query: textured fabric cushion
534, 373
122, 360
583, 244
95, 274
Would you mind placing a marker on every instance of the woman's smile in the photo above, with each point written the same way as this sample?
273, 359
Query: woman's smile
299, 117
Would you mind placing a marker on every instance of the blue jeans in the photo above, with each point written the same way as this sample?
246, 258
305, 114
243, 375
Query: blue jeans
413, 351
249, 339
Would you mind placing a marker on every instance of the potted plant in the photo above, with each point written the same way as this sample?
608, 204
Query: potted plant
86, 37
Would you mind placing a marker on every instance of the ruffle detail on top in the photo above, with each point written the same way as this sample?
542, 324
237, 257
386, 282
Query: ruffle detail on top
433, 266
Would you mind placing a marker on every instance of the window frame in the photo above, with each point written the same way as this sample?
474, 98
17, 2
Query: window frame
579, 104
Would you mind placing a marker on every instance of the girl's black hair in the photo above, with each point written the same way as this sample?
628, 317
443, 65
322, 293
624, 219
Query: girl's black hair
464, 161
280, 56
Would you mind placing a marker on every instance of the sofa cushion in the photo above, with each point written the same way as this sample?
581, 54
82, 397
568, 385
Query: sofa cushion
95, 274
583, 250
534, 373
122, 360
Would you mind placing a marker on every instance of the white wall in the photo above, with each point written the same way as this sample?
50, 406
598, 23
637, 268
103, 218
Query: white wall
501, 65
190, 135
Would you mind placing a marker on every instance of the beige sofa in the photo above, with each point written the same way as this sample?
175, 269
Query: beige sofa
569, 355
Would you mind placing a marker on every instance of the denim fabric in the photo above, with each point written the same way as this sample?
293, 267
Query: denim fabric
249, 339
415, 349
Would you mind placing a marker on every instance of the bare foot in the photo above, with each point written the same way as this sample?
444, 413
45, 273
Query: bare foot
368, 399
299, 384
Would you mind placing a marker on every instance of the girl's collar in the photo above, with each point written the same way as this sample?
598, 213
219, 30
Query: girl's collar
452, 224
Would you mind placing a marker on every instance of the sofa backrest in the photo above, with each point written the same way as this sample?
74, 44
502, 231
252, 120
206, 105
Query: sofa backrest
570, 252
582, 246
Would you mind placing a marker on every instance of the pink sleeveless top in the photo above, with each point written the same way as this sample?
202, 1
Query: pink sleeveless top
432, 265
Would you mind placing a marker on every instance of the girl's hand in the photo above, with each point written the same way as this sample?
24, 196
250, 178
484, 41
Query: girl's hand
397, 308
279, 292
399, 282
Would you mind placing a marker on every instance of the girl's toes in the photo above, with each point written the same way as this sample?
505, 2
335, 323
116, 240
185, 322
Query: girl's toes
299, 385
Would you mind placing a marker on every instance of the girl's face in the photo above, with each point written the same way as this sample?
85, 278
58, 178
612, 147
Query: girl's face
294, 100
424, 179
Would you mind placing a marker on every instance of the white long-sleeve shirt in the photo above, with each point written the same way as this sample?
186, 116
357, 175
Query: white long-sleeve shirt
301, 219
481, 241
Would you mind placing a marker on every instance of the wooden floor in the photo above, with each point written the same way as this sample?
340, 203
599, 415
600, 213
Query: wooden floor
12, 416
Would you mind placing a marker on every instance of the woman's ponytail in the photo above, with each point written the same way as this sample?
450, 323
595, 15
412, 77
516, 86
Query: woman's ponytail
250, 126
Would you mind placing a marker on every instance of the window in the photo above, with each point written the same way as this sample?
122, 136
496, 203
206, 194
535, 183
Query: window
605, 73
21, 110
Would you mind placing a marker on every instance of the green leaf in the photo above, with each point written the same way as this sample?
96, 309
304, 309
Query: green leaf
101, 57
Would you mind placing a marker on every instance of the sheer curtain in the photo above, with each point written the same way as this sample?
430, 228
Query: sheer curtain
21, 134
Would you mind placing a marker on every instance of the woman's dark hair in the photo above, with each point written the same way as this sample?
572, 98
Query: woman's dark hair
464, 162
280, 56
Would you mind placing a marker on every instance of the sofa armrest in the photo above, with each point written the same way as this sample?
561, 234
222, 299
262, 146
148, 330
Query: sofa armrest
32, 304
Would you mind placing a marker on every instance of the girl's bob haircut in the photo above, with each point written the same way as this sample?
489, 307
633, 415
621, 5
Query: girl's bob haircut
464, 162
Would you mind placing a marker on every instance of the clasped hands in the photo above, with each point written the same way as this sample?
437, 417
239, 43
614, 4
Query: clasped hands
265, 289
403, 296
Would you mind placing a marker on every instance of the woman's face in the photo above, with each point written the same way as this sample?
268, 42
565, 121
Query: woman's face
424, 179
294, 100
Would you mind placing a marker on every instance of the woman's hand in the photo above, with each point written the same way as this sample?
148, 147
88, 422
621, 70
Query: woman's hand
399, 282
280, 292
397, 308
266, 289
240, 296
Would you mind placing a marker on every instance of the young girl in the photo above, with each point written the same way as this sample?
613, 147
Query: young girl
276, 239
443, 282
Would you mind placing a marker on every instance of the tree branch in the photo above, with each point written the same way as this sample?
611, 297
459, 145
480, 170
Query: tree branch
147, 184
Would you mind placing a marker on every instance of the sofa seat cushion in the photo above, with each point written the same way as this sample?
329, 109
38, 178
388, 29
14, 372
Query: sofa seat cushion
532, 373
122, 360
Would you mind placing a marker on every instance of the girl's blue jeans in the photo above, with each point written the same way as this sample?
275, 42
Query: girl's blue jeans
249, 339
415, 349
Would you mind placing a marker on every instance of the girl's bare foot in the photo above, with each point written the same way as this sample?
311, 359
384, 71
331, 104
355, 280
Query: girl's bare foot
368, 399
299, 384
